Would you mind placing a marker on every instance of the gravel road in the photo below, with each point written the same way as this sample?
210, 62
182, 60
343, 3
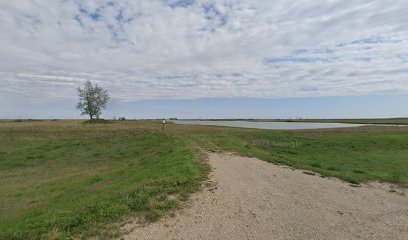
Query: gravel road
246, 198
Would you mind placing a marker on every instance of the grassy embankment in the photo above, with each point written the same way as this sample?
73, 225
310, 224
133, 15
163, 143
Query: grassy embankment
62, 179
352, 154
74, 179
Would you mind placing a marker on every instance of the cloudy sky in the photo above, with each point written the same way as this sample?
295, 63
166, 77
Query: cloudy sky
201, 58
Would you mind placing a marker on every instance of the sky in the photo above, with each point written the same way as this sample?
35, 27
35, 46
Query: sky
208, 59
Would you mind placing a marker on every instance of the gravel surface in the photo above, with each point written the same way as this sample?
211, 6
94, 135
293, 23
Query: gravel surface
246, 198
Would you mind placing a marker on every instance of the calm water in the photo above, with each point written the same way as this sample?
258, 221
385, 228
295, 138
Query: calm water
269, 125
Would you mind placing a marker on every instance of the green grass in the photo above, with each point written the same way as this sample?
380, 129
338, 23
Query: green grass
73, 180
64, 178
96, 121
354, 155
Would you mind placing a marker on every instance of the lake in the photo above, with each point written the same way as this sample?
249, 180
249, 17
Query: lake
269, 125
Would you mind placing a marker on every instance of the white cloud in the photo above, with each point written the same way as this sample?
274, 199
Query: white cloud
194, 49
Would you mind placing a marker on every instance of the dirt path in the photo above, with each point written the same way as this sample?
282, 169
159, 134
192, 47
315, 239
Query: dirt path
253, 199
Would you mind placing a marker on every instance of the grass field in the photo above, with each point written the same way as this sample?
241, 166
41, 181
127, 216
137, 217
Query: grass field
354, 155
62, 177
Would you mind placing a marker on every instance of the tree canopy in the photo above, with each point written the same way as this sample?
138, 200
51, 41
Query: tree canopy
92, 100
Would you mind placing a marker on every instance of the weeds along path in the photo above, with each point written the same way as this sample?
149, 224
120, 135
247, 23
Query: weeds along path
247, 198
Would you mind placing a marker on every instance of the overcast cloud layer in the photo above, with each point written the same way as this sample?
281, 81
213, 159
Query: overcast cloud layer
169, 49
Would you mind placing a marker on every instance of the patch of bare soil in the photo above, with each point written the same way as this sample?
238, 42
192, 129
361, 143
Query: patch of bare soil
252, 199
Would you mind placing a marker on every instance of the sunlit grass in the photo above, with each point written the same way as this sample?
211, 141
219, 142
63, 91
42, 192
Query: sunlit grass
73, 180
63, 178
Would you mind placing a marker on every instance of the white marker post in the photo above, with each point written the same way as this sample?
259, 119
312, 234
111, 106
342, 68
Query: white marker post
164, 122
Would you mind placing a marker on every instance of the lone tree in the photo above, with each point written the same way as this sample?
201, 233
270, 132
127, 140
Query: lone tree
92, 99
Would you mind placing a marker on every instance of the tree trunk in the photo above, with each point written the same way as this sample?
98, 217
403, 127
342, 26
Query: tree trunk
90, 115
